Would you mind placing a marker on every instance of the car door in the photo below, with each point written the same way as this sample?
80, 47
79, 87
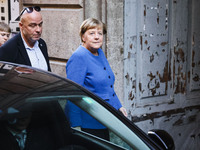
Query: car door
25, 90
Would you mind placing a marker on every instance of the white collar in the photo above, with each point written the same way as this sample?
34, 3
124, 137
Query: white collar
15, 133
29, 48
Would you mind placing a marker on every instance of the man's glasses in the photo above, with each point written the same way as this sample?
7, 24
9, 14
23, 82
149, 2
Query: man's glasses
29, 10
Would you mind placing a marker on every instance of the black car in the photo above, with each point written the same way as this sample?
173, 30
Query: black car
33, 101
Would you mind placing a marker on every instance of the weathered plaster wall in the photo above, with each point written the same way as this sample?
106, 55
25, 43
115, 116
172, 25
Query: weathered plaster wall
161, 77
115, 42
4, 11
62, 19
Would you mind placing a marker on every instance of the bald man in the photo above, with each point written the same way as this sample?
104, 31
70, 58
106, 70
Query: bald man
27, 47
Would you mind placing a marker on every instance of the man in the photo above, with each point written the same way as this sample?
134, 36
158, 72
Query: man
4, 32
27, 47
14, 131
26, 129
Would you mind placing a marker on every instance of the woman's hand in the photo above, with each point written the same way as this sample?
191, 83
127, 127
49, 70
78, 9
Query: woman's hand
77, 128
123, 111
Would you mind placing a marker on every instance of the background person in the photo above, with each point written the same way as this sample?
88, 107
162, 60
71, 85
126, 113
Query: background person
27, 47
28, 129
89, 67
4, 32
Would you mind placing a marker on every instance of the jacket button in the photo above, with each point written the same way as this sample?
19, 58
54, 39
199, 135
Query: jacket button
109, 77
104, 68
111, 86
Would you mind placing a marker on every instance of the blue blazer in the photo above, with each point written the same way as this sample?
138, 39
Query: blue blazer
95, 74
14, 51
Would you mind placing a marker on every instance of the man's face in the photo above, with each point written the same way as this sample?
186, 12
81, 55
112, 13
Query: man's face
31, 26
4, 36
20, 123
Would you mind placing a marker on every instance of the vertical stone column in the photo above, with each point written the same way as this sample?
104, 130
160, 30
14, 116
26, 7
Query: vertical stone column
93, 9
115, 50
96, 9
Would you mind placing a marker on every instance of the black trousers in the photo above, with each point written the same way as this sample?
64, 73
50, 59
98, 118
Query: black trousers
102, 133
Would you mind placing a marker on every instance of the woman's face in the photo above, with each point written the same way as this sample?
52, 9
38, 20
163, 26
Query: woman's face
93, 39
4, 36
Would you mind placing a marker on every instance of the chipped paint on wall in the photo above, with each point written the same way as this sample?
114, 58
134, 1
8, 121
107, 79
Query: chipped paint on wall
186, 115
166, 70
179, 67
154, 50
195, 70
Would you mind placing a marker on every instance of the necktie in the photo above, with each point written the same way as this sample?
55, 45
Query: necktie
20, 140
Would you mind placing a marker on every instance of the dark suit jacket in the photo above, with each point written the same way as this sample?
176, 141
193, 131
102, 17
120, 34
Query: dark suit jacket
14, 51
38, 138
7, 140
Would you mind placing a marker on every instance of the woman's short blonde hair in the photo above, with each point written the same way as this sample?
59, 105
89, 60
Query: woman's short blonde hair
91, 23
4, 27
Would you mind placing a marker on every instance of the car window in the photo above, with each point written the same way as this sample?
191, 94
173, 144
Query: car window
45, 123
117, 130
36, 125
119, 133
112, 136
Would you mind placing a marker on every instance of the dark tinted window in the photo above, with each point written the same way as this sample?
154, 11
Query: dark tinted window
2, 9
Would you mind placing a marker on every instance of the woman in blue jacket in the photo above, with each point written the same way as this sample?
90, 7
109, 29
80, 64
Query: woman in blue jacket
89, 67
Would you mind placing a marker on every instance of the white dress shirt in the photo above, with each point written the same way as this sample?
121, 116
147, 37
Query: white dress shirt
36, 56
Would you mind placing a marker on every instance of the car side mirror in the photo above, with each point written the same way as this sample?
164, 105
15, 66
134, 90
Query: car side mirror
162, 138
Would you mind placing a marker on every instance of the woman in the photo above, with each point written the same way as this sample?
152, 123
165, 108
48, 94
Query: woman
89, 67
4, 32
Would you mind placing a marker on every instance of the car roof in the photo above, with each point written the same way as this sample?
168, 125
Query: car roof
19, 82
